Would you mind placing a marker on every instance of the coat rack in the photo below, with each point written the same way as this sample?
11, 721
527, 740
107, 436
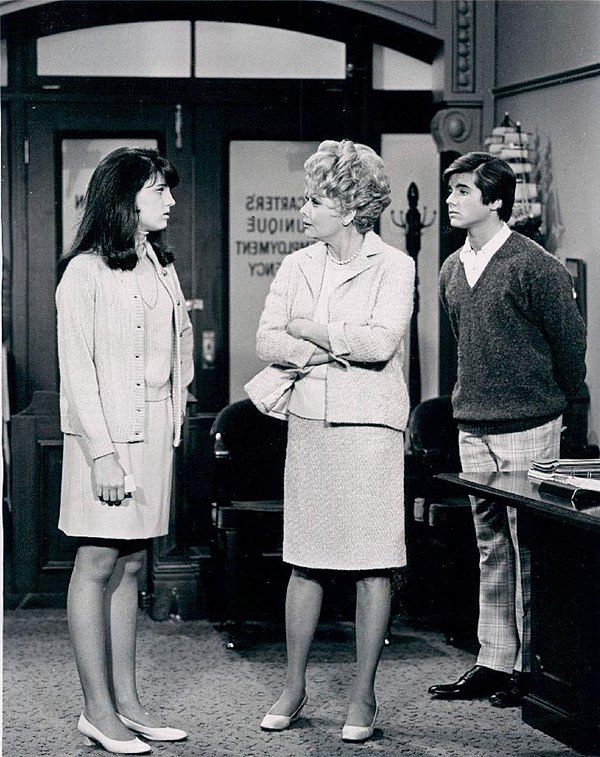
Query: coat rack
413, 226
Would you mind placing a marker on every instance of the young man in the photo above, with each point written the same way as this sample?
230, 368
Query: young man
521, 353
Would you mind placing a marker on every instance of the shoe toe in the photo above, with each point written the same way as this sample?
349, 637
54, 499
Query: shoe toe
165, 734
275, 722
357, 732
272, 722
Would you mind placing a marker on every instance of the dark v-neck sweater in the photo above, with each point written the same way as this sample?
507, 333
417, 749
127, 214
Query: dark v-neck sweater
521, 340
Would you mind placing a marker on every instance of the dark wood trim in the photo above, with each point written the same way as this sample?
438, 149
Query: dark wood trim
552, 80
449, 240
18, 220
321, 18
181, 564
403, 111
41, 556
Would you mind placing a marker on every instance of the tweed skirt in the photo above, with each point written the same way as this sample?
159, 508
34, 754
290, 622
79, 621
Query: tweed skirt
343, 496
146, 513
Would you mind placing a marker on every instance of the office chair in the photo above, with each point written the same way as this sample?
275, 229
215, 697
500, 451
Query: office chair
247, 513
443, 559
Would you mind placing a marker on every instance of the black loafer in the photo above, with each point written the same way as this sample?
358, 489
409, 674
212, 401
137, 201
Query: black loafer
512, 694
477, 682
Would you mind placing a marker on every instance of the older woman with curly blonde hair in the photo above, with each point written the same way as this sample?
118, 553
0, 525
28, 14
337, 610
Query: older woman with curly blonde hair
334, 320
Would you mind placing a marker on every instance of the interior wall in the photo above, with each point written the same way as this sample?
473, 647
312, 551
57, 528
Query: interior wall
567, 115
545, 37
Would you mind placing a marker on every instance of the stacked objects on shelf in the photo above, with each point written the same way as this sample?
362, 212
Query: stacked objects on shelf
517, 148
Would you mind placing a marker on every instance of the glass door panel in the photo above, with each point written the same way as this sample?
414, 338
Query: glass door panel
80, 156
266, 189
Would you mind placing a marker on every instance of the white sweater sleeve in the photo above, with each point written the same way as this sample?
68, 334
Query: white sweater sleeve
273, 343
79, 382
379, 338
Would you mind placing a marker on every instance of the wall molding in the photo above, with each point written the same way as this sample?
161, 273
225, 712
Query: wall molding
463, 47
552, 80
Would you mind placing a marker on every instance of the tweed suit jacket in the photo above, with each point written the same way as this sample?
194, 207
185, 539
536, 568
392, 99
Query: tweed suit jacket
369, 312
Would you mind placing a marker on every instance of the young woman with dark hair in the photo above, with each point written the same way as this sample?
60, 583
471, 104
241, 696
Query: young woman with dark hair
125, 356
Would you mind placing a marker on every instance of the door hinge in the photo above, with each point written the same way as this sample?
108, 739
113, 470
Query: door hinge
26, 151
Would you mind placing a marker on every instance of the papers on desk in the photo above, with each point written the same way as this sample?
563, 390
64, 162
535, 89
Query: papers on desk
575, 480
569, 467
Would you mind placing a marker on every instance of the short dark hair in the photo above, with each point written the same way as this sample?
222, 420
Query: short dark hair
492, 176
109, 221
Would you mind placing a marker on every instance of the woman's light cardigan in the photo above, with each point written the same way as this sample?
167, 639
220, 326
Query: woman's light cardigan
101, 353
369, 313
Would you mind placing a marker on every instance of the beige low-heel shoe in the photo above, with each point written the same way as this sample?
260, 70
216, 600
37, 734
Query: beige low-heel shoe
359, 733
272, 722
154, 734
93, 736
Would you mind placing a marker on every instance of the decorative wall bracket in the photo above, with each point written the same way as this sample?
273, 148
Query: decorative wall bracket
457, 129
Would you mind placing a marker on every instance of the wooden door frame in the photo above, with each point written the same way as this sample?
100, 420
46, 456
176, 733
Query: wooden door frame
34, 341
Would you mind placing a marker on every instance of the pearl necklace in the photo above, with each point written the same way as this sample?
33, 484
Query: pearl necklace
343, 262
147, 280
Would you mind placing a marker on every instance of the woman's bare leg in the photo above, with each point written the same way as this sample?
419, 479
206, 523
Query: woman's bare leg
122, 613
302, 610
93, 568
372, 614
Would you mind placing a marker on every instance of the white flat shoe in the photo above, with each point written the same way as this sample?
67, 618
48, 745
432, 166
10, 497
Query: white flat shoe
281, 722
93, 736
358, 733
154, 734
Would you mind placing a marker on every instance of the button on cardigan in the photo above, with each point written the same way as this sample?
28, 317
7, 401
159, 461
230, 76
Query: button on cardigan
101, 353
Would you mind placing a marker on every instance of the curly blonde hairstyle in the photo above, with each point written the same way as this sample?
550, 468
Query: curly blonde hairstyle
353, 177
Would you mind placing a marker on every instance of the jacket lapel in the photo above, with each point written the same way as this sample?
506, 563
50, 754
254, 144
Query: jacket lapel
312, 265
313, 262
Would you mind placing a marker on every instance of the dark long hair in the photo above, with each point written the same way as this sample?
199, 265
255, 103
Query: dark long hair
109, 222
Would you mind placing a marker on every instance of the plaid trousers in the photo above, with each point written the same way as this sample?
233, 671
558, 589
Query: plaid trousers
504, 564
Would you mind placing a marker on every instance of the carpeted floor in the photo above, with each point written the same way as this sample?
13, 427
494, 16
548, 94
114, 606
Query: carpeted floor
219, 696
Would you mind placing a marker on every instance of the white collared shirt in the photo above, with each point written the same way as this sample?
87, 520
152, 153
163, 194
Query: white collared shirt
473, 262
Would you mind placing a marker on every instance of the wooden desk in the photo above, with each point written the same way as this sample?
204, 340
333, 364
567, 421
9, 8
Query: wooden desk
564, 701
